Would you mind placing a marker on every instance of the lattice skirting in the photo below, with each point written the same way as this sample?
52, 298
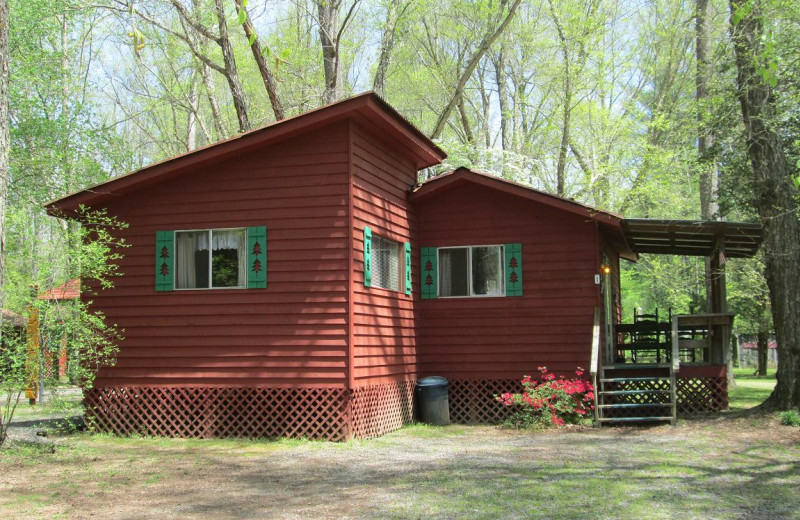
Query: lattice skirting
695, 396
699, 395
314, 413
380, 409
472, 400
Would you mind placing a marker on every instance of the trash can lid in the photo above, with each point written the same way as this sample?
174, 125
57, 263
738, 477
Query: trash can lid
432, 381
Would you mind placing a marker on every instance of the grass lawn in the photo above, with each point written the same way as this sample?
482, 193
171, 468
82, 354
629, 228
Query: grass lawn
720, 468
751, 390
714, 469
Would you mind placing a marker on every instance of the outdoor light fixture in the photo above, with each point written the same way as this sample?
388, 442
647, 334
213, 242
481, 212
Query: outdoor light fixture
606, 269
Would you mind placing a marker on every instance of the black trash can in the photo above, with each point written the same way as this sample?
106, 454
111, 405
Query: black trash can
432, 401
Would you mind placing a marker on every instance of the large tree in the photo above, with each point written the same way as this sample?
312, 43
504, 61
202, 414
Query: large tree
775, 192
4, 136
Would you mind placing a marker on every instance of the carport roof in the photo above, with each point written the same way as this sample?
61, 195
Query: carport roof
690, 237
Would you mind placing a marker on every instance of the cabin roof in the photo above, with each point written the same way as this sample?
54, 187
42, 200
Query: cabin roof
609, 222
68, 290
13, 318
368, 109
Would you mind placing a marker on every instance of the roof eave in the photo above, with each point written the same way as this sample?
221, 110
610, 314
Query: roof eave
367, 107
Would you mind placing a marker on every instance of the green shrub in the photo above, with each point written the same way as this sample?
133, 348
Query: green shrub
790, 418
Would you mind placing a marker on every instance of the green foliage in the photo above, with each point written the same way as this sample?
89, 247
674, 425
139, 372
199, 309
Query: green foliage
91, 341
790, 418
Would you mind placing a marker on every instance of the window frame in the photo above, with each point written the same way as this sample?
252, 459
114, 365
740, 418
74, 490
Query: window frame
210, 260
470, 274
400, 263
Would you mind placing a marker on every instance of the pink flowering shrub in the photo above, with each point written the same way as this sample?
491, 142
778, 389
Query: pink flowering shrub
550, 401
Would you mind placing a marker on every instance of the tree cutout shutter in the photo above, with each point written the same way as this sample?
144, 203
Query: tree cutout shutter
367, 257
257, 257
513, 259
408, 268
428, 272
165, 260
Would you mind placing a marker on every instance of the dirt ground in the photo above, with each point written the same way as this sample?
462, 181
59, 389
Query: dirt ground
729, 468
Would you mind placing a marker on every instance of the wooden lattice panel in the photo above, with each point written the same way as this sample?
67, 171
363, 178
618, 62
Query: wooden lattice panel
380, 409
699, 395
472, 400
314, 413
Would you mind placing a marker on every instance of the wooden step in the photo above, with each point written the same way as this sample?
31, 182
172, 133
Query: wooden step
632, 392
626, 379
637, 366
634, 419
634, 405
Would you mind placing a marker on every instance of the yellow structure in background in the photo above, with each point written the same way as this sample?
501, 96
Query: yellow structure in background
32, 355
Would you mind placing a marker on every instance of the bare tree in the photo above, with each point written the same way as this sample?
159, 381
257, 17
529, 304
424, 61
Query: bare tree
192, 30
330, 35
388, 35
261, 62
469, 68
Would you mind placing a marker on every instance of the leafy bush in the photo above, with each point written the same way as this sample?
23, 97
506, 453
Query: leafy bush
550, 401
790, 418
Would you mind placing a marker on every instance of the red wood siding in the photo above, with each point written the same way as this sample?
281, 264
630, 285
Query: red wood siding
505, 337
294, 332
384, 337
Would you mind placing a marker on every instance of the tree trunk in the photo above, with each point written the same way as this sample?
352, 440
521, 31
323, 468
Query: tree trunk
263, 68
4, 136
191, 122
328, 11
709, 184
775, 200
762, 341
205, 72
231, 72
499, 62
387, 45
561, 166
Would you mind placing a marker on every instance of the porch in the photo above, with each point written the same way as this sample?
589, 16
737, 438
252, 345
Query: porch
657, 368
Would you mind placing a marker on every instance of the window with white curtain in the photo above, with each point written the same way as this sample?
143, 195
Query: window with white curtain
210, 259
471, 271
385, 263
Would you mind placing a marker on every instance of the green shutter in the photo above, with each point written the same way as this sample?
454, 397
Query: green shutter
513, 259
367, 257
429, 258
165, 260
257, 257
408, 268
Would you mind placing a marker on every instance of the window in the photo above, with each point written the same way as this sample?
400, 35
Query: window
211, 259
385, 263
471, 271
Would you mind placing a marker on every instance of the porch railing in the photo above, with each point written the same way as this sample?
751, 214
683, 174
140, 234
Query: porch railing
700, 339
595, 361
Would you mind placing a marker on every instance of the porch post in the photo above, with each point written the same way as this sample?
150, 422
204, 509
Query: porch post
718, 293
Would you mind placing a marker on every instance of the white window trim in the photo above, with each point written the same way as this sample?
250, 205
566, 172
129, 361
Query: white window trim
500, 294
210, 260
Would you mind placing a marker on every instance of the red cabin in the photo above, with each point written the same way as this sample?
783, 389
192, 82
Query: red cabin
295, 280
